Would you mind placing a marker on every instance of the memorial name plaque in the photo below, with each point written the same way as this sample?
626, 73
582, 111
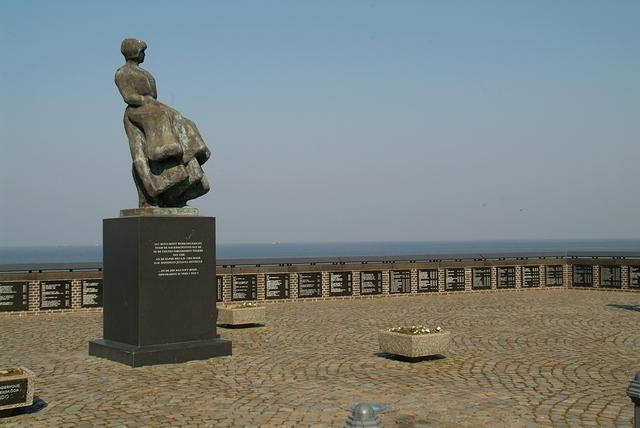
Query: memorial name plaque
14, 296
55, 294
310, 284
244, 287
582, 276
181, 258
371, 282
340, 284
13, 392
506, 277
611, 276
277, 286
428, 280
530, 276
91, 293
554, 276
399, 281
481, 279
219, 288
454, 279
634, 276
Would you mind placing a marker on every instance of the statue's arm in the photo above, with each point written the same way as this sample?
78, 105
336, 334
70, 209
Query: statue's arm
128, 90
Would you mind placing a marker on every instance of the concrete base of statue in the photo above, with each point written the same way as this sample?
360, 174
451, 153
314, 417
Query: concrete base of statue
159, 293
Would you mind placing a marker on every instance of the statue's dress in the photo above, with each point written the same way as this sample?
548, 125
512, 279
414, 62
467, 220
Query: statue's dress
166, 148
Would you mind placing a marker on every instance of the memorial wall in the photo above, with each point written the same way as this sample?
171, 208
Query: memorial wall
48, 291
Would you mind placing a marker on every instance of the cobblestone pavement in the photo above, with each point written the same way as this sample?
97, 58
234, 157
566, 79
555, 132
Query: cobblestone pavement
530, 358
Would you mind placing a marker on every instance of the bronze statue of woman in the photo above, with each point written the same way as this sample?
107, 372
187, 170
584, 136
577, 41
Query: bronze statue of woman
166, 148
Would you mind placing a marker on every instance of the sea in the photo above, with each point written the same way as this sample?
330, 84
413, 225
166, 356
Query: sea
87, 253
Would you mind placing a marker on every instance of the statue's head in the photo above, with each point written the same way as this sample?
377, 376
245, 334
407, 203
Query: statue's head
133, 49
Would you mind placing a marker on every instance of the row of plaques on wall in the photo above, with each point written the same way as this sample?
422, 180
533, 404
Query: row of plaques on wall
54, 294
245, 287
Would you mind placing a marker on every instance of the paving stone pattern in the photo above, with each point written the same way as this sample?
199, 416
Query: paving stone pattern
533, 358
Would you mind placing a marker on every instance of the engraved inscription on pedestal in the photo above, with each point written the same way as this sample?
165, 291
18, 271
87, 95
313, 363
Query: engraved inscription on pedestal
244, 287
634, 276
13, 392
370, 282
399, 281
454, 279
310, 284
91, 293
14, 296
340, 284
277, 286
611, 276
530, 276
481, 279
219, 288
554, 276
582, 276
55, 294
181, 258
506, 277
427, 280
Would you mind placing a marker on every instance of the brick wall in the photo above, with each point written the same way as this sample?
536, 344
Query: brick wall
36, 280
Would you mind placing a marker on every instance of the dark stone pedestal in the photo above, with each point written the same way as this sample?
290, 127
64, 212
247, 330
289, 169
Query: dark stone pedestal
159, 293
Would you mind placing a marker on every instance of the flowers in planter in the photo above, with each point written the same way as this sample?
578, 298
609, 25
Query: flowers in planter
249, 304
415, 330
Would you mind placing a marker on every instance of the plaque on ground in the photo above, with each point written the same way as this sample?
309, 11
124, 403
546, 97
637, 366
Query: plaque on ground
310, 284
92, 293
554, 276
530, 276
634, 276
244, 287
427, 280
16, 388
399, 281
481, 279
454, 279
277, 286
219, 288
582, 276
610, 276
340, 284
506, 277
14, 296
370, 282
55, 294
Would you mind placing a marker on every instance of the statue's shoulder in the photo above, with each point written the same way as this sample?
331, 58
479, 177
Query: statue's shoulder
121, 74
126, 72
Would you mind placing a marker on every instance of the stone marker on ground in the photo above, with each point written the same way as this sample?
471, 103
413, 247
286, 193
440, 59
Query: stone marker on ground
16, 388
241, 315
413, 345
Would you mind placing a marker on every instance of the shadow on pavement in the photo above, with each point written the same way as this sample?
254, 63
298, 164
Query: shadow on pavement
38, 404
635, 308
402, 358
239, 326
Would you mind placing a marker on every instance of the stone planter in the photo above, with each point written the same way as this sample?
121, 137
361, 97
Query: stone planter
413, 345
240, 315
16, 388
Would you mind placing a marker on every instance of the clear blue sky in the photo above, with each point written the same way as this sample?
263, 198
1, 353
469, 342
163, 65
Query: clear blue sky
333, 120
